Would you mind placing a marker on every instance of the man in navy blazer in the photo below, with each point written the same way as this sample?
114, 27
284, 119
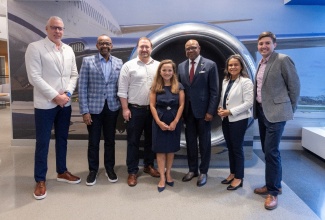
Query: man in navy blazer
200, 79
276, 93
100, 105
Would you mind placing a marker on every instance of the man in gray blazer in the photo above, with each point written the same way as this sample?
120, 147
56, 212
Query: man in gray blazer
276, 93
199, 77
52, 70
100, 105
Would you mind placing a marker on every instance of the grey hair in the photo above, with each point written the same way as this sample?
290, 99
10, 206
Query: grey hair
53, 18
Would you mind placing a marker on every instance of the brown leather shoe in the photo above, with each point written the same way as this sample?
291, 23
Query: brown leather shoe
151, 171
40, 190
263, 191
67, 177
132, 179
271, 202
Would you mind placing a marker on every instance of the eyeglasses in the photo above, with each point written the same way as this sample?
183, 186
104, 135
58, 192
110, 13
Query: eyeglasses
54, 28
104, 44
191, 48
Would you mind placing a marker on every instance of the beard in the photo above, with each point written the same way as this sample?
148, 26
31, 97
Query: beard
144, 54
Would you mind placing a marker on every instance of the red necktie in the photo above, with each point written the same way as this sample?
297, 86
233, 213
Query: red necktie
192, 71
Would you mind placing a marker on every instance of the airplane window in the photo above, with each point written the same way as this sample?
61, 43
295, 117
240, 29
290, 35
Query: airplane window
309, 68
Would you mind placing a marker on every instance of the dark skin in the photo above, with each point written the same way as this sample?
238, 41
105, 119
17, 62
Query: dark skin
192, 50
104, 46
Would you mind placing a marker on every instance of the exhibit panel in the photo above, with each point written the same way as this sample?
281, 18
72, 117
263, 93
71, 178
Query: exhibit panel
220, 34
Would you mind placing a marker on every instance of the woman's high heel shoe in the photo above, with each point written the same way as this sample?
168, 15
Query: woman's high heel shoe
225, 181
230, 187
170, 183
160, 189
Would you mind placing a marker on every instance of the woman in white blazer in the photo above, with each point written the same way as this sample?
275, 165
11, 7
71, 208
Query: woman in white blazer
234, 109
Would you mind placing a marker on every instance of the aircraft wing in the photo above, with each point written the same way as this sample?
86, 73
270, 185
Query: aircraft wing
134, 28
127, 29
289, 41
286, 41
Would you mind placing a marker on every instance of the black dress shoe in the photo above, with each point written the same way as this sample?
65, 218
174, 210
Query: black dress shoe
202, 180
170, 183
189, 176
225, 181
230, 187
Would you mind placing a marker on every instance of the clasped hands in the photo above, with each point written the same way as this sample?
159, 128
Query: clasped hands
163, 126
223, 112
61, 100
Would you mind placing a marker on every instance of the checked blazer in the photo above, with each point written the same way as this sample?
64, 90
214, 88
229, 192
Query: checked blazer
93, 89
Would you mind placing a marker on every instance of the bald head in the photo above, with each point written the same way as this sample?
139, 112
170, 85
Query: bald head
192, 49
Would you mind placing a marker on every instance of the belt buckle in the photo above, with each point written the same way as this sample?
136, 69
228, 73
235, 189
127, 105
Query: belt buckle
168, 108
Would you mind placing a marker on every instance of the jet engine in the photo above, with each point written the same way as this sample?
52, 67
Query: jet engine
216, 44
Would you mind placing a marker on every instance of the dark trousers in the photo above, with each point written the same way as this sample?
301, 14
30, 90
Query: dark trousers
44, 121
271, 134
106, 122
234, 133
141, 121
197, 127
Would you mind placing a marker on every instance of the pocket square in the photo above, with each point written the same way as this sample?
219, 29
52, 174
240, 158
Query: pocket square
202, 71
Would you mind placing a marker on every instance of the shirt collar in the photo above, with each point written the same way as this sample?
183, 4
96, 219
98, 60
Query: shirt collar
48, 41
264, 61
102, 58
196, 60
150, 60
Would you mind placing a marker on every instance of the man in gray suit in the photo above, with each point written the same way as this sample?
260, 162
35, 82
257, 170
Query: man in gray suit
100, 105
199, 77
276, 93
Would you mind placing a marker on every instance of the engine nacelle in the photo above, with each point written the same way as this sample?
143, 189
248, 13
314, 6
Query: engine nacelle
216, 44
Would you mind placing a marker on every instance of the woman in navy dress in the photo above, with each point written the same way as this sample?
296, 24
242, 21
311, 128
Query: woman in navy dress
166, 105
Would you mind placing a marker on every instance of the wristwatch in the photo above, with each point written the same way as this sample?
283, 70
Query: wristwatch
68, 94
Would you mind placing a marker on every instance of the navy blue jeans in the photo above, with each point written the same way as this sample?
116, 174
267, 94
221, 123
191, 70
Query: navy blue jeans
44, 121
141, 121
271, 134
106, 122
197, 127
234, 133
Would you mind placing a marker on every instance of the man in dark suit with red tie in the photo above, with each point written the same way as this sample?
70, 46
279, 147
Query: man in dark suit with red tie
200, 79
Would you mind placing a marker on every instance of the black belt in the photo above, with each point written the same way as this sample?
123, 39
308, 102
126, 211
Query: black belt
146, 107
